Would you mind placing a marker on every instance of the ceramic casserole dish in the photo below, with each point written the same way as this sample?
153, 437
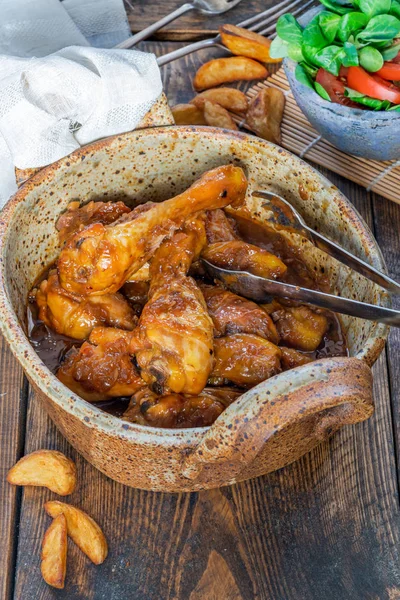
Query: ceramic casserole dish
272, 424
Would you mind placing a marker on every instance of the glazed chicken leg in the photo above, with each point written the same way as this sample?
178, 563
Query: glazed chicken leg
100, 258
75, 316
175, 324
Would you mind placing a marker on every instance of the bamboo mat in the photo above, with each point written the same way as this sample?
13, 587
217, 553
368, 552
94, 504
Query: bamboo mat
302, 139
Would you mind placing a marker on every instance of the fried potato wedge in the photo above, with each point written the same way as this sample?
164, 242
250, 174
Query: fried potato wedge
243, 42
222, 70
265, 113
54, 553
45, 468
217, 116
229, 98
82, 529
188, 114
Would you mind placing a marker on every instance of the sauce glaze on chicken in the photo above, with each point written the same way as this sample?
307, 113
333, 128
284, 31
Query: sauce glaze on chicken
129, 320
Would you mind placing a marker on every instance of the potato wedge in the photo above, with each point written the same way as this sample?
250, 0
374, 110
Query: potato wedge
229, 98
45, 468
54, 553
217, 116
265, 113
243, 42
188, 114
222, 70
82, 529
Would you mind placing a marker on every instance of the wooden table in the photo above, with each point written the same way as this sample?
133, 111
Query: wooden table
324, 528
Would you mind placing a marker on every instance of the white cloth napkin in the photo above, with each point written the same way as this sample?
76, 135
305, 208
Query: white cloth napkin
53, 98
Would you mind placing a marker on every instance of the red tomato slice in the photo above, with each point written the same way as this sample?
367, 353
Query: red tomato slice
390, 71
371, 85
335, 87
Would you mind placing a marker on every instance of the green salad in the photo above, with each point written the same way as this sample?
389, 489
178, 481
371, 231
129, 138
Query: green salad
349, 53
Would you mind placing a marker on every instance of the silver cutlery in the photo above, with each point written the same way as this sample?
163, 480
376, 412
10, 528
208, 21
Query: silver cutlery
207, 7
264, 23
284, 214
262, 290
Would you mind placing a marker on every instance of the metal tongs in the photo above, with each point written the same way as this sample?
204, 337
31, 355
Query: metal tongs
262, 289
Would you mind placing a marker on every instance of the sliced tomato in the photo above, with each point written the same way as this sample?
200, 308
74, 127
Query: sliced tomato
390, 70
335, 87
372, 85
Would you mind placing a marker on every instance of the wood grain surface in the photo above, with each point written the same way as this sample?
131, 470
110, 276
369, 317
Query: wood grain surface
191, 26
324, 528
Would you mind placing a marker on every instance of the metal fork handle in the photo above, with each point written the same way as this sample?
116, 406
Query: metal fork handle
215, 41
353, 262
145, 33
180, 52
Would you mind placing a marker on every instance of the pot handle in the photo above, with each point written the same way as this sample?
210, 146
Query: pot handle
159, 115
315, 400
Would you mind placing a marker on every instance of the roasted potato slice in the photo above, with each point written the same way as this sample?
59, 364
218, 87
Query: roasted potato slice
229, 98
246, 43
222, 70
82, 529
54, 553
265, 113
45, 468
188, 114
217, 116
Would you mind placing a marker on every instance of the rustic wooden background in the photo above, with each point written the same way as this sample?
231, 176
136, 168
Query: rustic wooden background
326, 527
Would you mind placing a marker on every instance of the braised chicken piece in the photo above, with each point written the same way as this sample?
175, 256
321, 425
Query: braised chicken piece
179, 410
244, 360
234, 314
175, 324
225, 249
103, 371
301, 327
292, 358
77, 217
219, 227
100, 258
240, 256
74, 316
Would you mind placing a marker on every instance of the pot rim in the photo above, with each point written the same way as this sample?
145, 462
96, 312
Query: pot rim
42, 376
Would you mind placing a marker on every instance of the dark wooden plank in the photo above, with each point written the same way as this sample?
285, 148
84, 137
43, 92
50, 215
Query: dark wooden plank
13, 394
387, 231
324, 527
193, 25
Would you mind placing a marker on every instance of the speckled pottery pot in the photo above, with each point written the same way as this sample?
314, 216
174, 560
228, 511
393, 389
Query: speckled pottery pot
366, 133
269, 426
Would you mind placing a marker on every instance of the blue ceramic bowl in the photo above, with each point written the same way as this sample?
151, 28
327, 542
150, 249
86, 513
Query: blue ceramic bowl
365, 133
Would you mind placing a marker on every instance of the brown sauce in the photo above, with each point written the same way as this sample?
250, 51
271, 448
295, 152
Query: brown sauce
52, 347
